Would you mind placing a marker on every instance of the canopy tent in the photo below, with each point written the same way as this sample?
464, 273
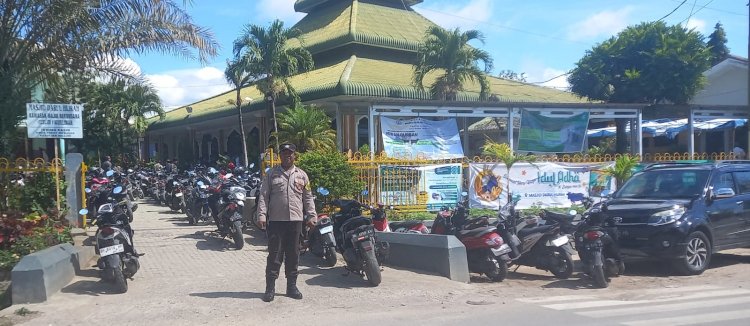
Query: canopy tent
671, 128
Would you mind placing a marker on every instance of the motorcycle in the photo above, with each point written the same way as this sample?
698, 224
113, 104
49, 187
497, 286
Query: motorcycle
597, 240
355, 239
118, 261
485, 250
544, 247
380, 219
230, 205
320, 240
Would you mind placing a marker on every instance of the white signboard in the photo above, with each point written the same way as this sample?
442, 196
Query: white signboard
46, 120
539, 184
418, 136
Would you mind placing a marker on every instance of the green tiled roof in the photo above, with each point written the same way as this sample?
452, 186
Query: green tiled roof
307, 6
362, 77
357, 21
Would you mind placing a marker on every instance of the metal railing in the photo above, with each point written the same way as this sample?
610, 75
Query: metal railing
38, 165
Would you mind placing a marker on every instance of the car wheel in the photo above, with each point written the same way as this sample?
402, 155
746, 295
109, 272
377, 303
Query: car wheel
697, 255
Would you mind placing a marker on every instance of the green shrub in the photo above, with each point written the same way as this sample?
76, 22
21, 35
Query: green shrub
37, 195
330, 170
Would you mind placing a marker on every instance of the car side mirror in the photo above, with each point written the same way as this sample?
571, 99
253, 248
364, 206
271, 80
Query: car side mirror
722, 193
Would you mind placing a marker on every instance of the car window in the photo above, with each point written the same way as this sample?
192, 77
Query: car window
723, 180
666, 183
743, 181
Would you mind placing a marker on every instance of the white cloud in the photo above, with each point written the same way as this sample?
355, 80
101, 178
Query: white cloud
281, 9
604, 23
466, 16
697, 24
537, 71
181, 87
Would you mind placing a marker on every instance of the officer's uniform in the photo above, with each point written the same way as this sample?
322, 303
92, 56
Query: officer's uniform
285, 200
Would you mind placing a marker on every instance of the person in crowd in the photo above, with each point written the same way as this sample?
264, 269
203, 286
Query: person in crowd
107, 163
285, 200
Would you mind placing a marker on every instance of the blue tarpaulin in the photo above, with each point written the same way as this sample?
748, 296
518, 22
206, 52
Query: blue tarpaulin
671, 128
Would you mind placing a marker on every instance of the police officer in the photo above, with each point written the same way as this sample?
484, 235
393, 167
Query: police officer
285, 200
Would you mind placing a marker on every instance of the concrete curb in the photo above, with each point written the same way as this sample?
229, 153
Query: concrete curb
40, 274
441, 254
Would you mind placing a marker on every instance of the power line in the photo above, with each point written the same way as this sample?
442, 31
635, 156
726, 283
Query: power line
505, 27
697, 11
673, 10
722, 10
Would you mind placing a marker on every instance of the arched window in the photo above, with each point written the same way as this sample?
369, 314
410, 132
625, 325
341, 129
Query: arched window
234, 145
363, 134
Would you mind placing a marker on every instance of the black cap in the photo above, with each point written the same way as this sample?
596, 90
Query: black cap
288, 146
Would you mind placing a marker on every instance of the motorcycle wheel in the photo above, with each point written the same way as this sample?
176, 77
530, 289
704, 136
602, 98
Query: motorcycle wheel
497, 270
331, 258
239, 241
597, 273
372, 269
120, 282
562, 266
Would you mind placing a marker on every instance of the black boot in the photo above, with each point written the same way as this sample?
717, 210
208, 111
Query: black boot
291, 289
270, 290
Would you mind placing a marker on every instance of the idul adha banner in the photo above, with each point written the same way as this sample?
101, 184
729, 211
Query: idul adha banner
552, 135
538, 184
433, 186
421, 137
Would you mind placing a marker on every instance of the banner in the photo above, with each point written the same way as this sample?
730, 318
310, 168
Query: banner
432, 186
537, 185
413, 137
552, 135
44, 120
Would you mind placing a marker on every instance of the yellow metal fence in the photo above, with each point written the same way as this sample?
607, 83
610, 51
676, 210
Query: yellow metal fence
38, 165
403, 182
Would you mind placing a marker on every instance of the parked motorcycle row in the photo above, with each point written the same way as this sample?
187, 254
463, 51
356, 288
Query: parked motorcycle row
206, 195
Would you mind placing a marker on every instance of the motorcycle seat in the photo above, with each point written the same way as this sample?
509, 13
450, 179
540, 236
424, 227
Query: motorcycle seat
477, 232
522, 233
404, 224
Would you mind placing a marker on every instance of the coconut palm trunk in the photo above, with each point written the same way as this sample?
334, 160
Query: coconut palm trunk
242, 128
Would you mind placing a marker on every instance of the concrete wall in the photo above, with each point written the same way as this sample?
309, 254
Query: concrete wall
440, 254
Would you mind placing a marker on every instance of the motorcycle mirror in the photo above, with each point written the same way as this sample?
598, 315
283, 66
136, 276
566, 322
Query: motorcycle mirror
268, 169
110, 173
464, 193
365, 192
83, 211
117, 190
323, 191
573, 212
87, 190
200, 183
252, 165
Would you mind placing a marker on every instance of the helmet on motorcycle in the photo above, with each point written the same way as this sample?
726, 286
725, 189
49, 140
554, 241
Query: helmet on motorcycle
230, 166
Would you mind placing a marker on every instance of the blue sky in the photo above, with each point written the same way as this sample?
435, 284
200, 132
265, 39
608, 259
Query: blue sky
541, 38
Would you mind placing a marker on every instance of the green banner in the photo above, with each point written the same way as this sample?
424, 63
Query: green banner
552, 135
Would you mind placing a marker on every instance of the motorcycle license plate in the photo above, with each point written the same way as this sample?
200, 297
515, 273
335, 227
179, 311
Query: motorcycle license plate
178, 194
116, 249
327, 229
364, 234
504, 249
560, 241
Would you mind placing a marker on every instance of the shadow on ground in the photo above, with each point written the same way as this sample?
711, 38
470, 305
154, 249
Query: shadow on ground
87, 287
334, 277
178, 221
231, 295
257, 238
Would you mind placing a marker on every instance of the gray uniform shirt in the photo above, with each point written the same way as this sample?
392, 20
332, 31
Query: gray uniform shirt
285, 196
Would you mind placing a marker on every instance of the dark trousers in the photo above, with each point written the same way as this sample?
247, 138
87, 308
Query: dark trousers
283, 241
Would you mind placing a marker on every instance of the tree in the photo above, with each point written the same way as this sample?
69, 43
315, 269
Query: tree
41, 39
239, 78
503, 152
265, 55
717, 44
308, 127
448, 54
647, 63
512, 75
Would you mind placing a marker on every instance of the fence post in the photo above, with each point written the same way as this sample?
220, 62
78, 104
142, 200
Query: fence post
73, 193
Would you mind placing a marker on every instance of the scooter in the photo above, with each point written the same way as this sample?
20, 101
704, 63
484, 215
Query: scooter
355, 240
597, 244
118, 260
485, 250
544, 247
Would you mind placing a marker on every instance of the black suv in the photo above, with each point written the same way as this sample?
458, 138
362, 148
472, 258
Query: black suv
683, 212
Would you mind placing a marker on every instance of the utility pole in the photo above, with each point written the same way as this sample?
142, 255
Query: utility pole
748, 76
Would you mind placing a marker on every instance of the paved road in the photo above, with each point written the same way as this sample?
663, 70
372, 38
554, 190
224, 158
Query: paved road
190, 276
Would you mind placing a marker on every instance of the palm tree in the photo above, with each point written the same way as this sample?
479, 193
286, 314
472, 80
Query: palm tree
504, 153
308, 127
448, 53
42, 38
236, 75
265, 54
